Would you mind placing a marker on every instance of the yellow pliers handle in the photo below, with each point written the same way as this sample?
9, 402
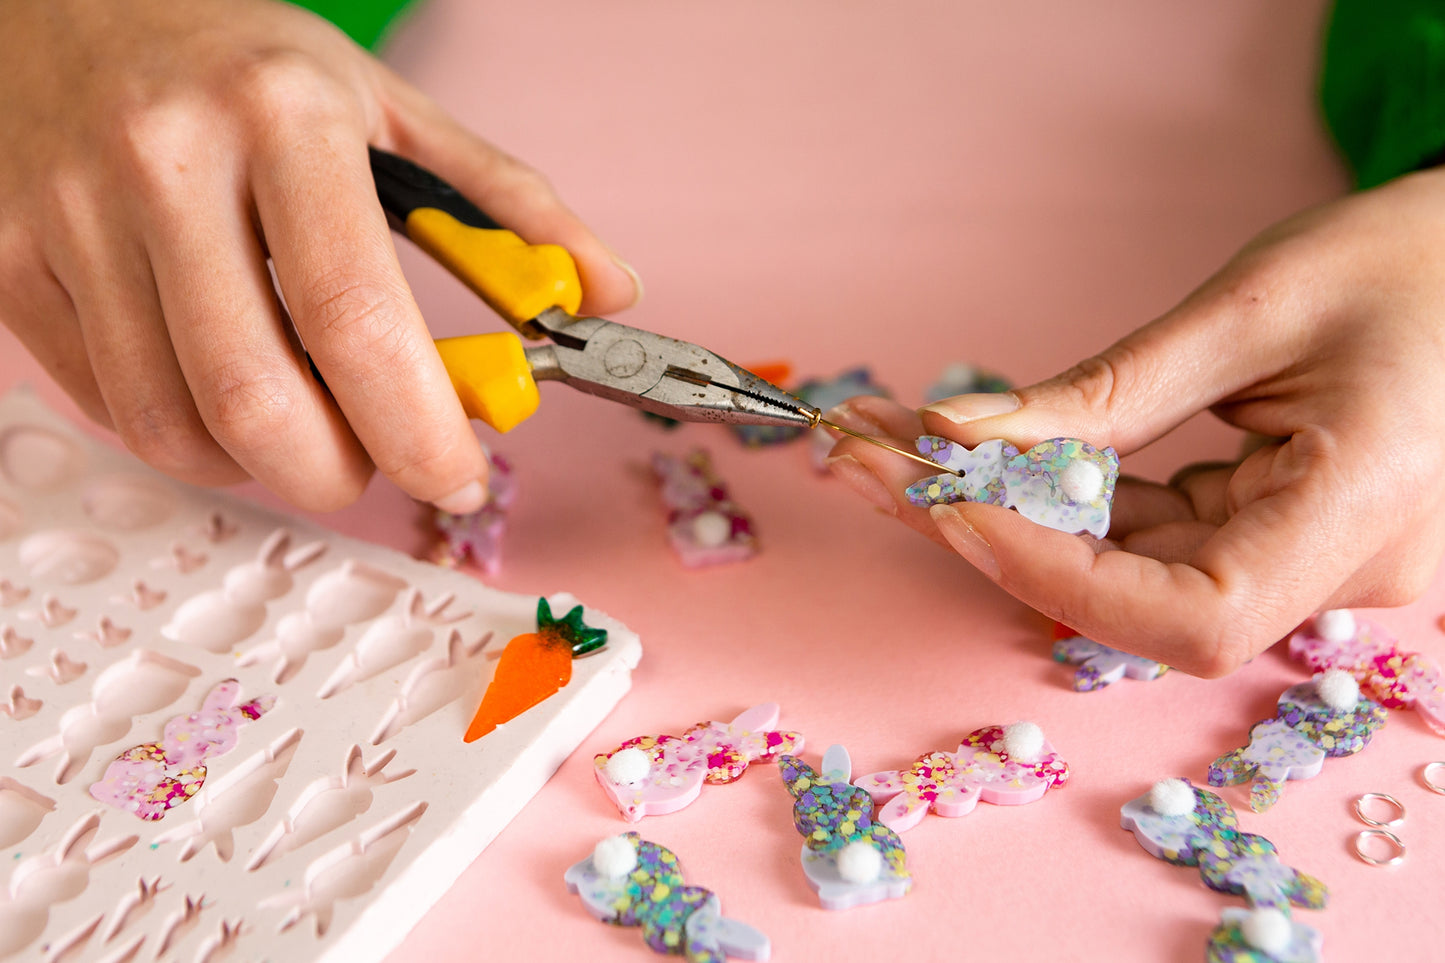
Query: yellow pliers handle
490, 372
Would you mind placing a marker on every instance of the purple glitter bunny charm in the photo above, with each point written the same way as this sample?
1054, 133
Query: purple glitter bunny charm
1324, 717
628, 881
1063, 483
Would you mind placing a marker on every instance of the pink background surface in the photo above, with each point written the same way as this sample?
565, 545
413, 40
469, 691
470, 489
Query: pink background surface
901, 184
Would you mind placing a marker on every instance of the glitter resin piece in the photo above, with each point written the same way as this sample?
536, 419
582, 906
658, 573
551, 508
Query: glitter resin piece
952, 783
675, 918
961, 378
655, 775
704, 525
1229, 861
1227, 943
1100, 666
1248, 865
150, 779
1389, 675
1064, 483
1179, 839
833, 815
478, 537
1295, 744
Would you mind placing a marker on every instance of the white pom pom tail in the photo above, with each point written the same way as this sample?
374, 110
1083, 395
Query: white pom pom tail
1336, 625
628, 767
1268, 930
614, 857
1171, 797
1337, 689
1023, 741
1082, 481
860, 862
711, 529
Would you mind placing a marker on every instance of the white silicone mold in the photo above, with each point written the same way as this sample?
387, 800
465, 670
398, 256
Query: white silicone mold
313, 808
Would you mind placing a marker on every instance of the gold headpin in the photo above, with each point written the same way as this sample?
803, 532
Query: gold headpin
937, 468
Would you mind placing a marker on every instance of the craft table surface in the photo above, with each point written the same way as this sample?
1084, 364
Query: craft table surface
901, 185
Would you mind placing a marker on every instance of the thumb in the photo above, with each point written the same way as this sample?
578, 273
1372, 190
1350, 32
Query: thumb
514, 194
1131, 393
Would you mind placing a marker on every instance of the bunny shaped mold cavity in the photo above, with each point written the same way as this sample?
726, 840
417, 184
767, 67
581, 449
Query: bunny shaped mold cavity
655, 775
218, 619
1063, 483
628, 881
848, 858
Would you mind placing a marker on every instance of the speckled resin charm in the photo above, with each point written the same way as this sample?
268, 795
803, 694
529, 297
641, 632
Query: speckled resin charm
983, 768
478, 537
1064, 483
849, 858
1188, 826
1100, 666
150, 779
655, 775
1295, 744
1389, 675
704, 524
628, 881
1242, 938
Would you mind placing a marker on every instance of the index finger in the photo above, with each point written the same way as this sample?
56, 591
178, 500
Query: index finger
1263, 572
354, 311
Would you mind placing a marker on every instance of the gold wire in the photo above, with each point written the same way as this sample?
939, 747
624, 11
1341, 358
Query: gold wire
937, 468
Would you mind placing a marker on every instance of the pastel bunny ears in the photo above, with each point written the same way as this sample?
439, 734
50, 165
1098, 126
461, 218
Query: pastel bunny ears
1188, 826
848, 858
628, 881
655, 775
1063, 483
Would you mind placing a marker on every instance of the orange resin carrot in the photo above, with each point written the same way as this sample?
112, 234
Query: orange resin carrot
533, 667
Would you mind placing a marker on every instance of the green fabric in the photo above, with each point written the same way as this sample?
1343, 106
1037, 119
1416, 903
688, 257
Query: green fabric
366, 21
1383, 88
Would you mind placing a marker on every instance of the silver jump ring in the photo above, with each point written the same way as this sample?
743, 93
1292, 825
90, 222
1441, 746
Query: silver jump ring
1433, 776
1371, 797
1394, 841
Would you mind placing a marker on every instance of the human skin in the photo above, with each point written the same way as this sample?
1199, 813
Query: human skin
156, 154
1325, 336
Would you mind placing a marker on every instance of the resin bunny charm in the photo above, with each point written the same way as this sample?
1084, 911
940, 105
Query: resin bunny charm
628, 881
149, 779
1263, 936
655, 775
1188, 826
848, 858
1063, 483
1098, 664
1006, 766
1324, 717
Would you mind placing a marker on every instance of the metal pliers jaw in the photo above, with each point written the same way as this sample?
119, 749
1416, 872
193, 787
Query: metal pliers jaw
668, 377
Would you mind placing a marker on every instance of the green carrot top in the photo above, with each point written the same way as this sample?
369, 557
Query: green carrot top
579, 636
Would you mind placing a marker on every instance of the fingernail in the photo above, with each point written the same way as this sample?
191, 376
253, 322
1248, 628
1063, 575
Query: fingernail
965, 539
465, 500
636, 278
966, 408
852, 473
845, 416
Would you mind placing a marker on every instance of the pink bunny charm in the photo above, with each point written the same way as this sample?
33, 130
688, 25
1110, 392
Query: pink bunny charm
149, 779
655, 775
1005, 766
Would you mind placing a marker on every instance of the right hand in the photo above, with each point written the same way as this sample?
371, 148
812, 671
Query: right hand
156, 154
